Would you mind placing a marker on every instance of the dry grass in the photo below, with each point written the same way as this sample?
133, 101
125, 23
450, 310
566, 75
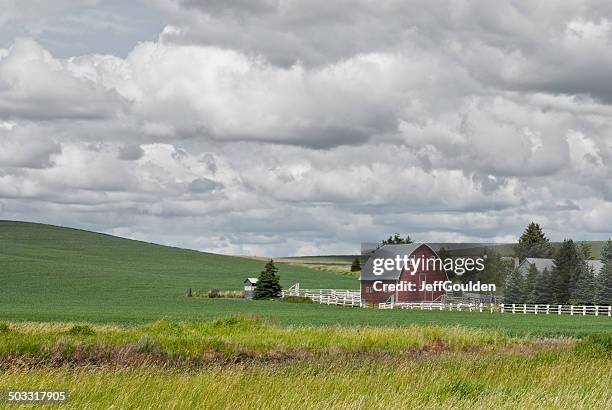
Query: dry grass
242, 362
230, 340
549, 379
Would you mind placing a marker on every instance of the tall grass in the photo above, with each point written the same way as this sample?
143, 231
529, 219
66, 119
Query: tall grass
557, 379
239, 337
244, 362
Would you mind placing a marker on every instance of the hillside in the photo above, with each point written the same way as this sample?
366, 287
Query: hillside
51, 272
506, 249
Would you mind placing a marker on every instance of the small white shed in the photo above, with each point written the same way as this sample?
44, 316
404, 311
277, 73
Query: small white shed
249, 287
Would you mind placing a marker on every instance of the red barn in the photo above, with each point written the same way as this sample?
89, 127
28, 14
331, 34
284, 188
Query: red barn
394, 284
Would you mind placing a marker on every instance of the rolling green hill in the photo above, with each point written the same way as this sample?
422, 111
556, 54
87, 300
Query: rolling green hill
49, 272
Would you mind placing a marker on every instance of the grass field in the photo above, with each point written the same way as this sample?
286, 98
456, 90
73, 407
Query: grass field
58, 274
217, 364
54, 273
195, 309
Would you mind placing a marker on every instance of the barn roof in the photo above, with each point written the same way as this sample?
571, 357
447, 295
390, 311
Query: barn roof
540, 263
387, 251
544, 263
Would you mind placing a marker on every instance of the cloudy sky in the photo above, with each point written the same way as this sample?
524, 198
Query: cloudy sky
278, 127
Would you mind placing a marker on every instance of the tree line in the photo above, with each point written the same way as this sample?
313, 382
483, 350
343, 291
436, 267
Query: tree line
570, 280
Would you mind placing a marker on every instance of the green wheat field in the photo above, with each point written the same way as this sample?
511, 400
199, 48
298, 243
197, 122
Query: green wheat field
108, 320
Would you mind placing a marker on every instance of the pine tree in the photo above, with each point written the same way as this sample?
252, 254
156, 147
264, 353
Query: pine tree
606, 253
604, 278
543, 288
533, 243
514, 287
396, 239
356, 265
268, 285
529, 286
584, 291
495, 268
565, 271
585, 250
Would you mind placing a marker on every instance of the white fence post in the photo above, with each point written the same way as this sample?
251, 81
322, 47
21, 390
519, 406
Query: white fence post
583, 310
513, 308
559, 309
572, 310
524, 308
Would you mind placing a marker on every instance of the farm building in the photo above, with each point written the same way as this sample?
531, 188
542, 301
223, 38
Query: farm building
544, 263
249, 287
372, 283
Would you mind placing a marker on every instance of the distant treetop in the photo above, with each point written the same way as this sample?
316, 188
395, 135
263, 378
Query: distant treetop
533, 234
396, 239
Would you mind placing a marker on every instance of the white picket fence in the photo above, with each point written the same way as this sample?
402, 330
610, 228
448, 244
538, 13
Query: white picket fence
557, 309
341, 297
348, 297
582, 310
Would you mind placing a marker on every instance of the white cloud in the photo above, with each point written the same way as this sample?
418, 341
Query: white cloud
36, 86
278, 127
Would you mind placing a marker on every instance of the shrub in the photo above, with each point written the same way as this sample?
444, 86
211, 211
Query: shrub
214, 293
356, 265
231, 294
4, 327
81, 330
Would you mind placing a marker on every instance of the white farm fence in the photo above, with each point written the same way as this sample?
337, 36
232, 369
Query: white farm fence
583, 310
348, 297
341, 297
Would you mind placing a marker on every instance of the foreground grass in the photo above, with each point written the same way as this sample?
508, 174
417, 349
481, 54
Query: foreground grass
549, 379
227, 340
245, 362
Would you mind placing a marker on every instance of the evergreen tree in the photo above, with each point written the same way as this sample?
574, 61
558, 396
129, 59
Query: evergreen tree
533, 243
356, 265
604, 284
495, 268
268, 285
565, 270
585, 250
583, 292
606, 253
543, 288
513, 287
529, 286
396, 239
604, 278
